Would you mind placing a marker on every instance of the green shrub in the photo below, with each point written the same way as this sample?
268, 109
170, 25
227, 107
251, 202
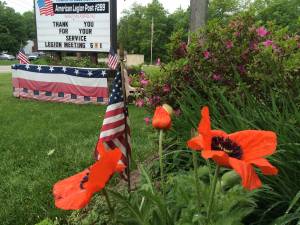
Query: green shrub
236, 58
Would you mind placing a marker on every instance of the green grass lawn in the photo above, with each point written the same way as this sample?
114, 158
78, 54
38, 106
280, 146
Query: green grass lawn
8, 62
29, 131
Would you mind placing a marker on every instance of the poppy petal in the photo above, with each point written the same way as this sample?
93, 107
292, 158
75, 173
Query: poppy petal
250, 180
196, 143
218, 133
204, 128
161, 118
100, 148
74, 201
221, 158
102, 170
265, 167
68, 195
204, 125
255, 143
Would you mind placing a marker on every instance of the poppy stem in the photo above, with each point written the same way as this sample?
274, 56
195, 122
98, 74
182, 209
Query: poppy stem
161, 164
110, 207
195, 163
212, 192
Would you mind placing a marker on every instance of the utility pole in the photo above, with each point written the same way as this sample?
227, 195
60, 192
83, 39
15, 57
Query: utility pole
199, 14
152, 35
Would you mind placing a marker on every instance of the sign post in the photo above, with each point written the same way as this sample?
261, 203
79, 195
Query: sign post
113, 25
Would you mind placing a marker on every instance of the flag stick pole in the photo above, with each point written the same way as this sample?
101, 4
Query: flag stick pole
126, 124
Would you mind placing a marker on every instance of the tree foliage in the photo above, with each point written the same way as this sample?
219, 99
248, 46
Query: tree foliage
285, 13
15, 29
135, 29
223, 9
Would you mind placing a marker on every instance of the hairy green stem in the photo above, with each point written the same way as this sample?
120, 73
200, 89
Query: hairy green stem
161, 164
195, 163
110, 207
212, 192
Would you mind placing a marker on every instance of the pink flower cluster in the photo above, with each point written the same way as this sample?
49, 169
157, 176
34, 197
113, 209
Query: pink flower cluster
155, 100
229, 44
217, 77
262, 32
147, 120
140, 103
167, 88
206, 54
144, 82
268, 43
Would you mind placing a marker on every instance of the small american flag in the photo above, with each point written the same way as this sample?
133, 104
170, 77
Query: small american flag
22, 57
112, 59
46, 7
115, 130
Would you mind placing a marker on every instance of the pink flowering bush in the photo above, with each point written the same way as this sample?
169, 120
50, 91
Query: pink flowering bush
240, 57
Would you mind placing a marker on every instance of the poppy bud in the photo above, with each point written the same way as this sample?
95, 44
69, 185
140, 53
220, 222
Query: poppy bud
162, 117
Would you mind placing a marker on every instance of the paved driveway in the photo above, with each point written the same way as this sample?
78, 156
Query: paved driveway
5, 69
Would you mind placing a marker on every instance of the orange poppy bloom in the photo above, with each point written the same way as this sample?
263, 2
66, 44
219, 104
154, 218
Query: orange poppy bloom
162, 117
76, 191
240, 151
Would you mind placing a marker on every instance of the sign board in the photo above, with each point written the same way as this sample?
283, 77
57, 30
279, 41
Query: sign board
73, 25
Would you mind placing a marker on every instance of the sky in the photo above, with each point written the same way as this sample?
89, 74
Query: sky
171, 5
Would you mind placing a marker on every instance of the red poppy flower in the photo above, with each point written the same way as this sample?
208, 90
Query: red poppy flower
240, 151
162, 117
76, 191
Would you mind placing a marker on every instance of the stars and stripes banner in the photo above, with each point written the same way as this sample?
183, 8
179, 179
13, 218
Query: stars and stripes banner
60, 84
115, 131
22, 57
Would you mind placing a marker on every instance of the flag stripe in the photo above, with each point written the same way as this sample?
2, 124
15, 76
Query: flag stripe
62, 87
114, 106
114, 112
111, 137
112, 125
114, 119
113, 131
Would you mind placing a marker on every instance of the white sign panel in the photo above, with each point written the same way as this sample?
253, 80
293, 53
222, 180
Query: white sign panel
73, 25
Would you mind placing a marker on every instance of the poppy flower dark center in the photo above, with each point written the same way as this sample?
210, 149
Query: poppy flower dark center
84, 180
226, 145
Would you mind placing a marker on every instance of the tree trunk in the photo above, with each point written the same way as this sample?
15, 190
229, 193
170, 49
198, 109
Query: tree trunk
199, 14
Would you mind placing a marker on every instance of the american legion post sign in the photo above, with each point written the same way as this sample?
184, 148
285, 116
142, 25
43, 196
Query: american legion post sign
73, 25
69, 25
